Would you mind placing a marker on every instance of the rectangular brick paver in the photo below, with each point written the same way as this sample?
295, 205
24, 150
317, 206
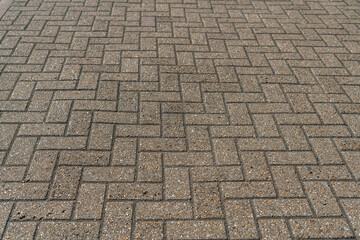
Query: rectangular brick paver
179, 119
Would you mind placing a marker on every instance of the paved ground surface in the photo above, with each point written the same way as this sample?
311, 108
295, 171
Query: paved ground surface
180, 119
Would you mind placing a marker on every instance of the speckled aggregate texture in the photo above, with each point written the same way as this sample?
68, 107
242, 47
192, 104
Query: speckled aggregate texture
180, 119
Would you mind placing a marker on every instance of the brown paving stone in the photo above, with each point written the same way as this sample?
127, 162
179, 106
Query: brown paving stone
188, 159
90, 201
162, 144
4, 214
352, 212
56, 230
320, 228
321, 198
101, 136
21, 150
240, 219
22, 230
286, 181
83, 158
353, 161
274, 229
117, 221
255, 167
196, 229
149, 167
247, 189
23, 191
39, 210
282, 207
314, 172
65, 182
346, 189
206, 200
163, 210
12, 173
217, 120
108, 174
325, 151
215, 174
150, 230
79, 123
132, 191
177, 185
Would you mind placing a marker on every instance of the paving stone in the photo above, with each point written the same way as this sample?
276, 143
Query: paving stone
320, 228
23, 191
62, 143
205, 119
346, 189
282, 207
12, 173
265, 144
41, 129
79, 123
90, 201
20, 230
163, 210
353, 121
265, 125
84, 158
117, 220
294, 138
315, 172
326, 131
139, 131
59, 111
198, 138
218, 120
101, 136
4, 214
321, 198
207, 202
149, 167
177, 183
150, 230
188, 159
225, 151
115, 117
132, 191
21, 150
108, 174
232, 131
353, 161
350, 208
57, 230
124, 152
274, 228
196, 229
286, 181
65, 182
247, 189
173, 125
162, 144
325, 151
240, 219
40, 210
255, 166
41, 166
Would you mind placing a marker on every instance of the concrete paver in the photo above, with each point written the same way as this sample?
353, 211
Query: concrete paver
179, 119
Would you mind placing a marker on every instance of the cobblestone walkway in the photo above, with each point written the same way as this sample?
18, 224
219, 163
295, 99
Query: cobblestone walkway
180, 119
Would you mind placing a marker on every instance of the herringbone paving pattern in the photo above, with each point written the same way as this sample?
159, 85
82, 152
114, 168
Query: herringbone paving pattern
180, 119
